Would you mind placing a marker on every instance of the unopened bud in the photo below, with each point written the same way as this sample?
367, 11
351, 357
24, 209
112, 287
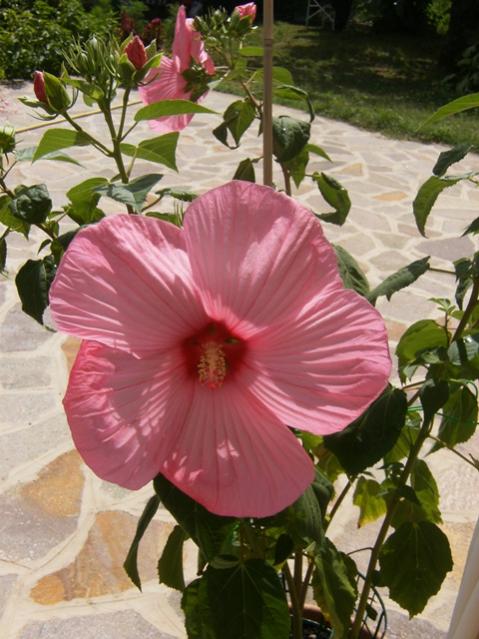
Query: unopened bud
135, 50
7, 139
39, 86
56, 96
247, 10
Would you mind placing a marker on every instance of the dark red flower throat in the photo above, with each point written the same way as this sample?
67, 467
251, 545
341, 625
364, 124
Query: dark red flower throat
213, 354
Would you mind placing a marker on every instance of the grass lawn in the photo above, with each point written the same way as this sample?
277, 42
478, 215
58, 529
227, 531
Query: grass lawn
383, 82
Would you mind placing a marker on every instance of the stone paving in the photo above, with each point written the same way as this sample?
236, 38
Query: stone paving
63, 532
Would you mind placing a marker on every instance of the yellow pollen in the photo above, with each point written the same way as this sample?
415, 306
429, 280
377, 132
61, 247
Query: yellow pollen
212, 365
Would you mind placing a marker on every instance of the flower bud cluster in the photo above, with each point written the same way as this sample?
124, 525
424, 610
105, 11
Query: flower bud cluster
136, 60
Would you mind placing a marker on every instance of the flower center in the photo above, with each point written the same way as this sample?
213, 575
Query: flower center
212, 365
213, 355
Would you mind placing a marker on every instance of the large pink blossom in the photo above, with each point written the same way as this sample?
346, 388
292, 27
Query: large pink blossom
167, 82
203, 344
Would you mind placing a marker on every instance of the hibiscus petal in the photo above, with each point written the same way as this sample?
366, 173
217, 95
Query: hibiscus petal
256, 255
117, 407
132, 418
320, 369
166, 83
183, 39
198, 53
126, 282
234, 457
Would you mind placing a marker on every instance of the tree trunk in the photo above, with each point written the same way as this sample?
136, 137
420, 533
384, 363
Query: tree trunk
463, 31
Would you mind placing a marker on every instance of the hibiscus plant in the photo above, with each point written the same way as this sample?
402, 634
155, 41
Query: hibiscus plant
234, 356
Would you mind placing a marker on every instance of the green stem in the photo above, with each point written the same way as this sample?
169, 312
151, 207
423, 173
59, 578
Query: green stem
116, 154
78, 116
453, 450
297, 610
96, 143
287, 179
471, 305
5, 188
305, 585
126, 95
338, 502
298, 570
393, 502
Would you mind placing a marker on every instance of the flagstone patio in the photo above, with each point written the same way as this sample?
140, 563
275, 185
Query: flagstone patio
64, 533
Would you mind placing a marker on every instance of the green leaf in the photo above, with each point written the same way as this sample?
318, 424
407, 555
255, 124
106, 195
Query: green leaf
281, 75
399, 280
297, 166
178, 194
426, 197
317, 150
289, 137
420, 338
198, 616
170, 565
172, 218
371, 436
351, 273
252, 52
336, 196
323, 490
284, 549
245, 171
334, 586
237, 118
170, 107
425, 487
463, 354
84, 199
207, 530
473, 227
433, 395
464, 277
368, 497
448, 158
406, 439
32, 283
56, 139
31, 204
459, 417
28, 153
131, 561
464, 103
304, 518
9, 220
161, 150
414, 562
246, 601
132, 194
291, 92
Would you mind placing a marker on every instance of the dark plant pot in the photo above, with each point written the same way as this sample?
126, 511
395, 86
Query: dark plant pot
315, 626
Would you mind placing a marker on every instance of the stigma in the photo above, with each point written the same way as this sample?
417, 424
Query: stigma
212, 365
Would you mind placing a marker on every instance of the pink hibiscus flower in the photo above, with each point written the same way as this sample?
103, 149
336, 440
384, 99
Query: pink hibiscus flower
168, 81
202, 344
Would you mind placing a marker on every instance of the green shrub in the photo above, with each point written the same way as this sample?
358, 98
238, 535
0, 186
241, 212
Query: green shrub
32, 35
439, 15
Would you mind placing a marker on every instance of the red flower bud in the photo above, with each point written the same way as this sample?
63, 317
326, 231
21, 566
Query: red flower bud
39, 86
136, 53
246, 11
